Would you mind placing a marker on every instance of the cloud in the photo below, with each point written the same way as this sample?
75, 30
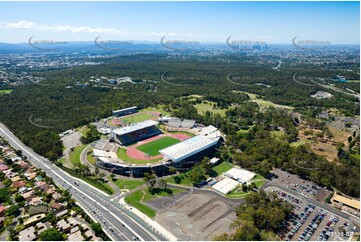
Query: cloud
24, 24
27, 25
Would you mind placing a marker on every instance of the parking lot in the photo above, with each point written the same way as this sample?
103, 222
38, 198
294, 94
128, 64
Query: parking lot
301, 186
310, 222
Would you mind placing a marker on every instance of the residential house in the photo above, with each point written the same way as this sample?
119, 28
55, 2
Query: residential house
30, 175
28, 196
19, 184
15, 178
76, 237
56, 207
36, 201
63, 226
2, 210
3, 167
27, 234
42, 227
24, 165
56, 196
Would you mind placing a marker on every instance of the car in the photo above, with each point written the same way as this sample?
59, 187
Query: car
76, 183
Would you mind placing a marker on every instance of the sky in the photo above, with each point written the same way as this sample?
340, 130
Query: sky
271, 22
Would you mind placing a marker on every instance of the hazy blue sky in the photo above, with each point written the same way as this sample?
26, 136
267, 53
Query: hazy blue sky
272, 22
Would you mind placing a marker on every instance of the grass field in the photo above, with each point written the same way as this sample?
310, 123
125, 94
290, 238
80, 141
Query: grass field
355, 155
5, 91
90, 158
136, 198
138, 117
264, 103
259, 180
300, 142
128, 184
158, 109
278, 134
122, 154
208, 106
83, 130
245, 130
222, 167
74, 156
239, 193
152, 148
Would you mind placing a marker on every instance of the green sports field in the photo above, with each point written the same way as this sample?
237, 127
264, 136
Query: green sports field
138, 117
152, 148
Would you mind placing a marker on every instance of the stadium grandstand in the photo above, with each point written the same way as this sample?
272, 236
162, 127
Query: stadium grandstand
135, 132
176, 124
124, 111
191, 149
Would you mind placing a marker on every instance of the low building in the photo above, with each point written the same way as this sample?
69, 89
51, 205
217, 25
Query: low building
241, 175
76, 237
3, 167
28, 196
88, 234
344, 201
56, 196
36, 201
27, 234
41, 227
34, 219
73, 221
16, 178
2, 210
62, 213
63, 226
56, 206
226, 185
19, 184
321, 95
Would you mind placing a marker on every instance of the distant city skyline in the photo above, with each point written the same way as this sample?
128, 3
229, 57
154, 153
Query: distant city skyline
204, 22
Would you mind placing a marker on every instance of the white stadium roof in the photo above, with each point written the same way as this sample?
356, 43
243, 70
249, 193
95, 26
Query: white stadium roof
226, 185
134, 127
208, 130
124, 109
188, 147
240, 175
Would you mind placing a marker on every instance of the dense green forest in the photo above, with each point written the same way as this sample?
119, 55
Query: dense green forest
258, 219
37, 113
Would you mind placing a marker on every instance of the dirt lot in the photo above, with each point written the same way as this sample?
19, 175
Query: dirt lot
194, 216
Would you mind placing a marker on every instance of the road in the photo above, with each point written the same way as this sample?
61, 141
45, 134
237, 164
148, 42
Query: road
84, 160
337, 89
118, 222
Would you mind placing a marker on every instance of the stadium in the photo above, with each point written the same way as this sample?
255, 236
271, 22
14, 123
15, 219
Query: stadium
141, 147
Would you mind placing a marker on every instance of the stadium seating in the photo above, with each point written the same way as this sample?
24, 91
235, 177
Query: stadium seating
138, 135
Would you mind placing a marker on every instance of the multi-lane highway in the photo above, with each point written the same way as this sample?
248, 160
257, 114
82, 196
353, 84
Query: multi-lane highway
118, 222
